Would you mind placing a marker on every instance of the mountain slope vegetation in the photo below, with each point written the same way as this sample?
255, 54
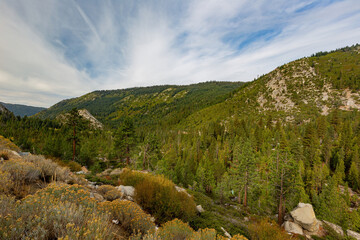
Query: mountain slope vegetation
297, 91
166, 104
22, 110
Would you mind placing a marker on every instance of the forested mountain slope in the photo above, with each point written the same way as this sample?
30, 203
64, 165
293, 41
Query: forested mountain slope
296, 91
22, 110
147, 105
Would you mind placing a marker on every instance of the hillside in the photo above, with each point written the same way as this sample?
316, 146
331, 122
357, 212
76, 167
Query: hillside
296, 91
22, 110
166, 104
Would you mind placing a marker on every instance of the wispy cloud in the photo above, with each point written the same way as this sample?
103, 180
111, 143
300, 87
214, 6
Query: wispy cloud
59, 49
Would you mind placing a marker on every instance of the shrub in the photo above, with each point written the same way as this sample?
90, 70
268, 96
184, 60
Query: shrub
130, 216
7, 144
58, 211
51, 171
74, 166
109, 192
158, 196
5, 182
176, 230
267, 229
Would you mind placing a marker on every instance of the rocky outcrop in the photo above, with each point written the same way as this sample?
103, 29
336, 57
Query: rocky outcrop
93, 121
292, 227
304, 215
353, 234
334, 227
302, 221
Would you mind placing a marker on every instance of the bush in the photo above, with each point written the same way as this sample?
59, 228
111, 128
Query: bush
51, 171
267, 229
109, 192
5, 182
175, 229
7, 144
130, 216
158, 196
58, 211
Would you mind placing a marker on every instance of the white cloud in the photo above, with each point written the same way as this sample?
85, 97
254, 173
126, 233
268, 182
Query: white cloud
77, 46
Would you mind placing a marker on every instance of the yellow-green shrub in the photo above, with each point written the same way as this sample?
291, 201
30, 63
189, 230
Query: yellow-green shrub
130, 216
158, 196
7, 144
175, 229
267, 229
58, 211
109, 192
5, 182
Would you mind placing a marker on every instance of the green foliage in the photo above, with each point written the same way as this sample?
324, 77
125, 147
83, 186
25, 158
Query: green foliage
266, 229
158, 196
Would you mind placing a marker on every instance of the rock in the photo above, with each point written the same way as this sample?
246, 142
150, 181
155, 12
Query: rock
200, 209
180, 189
116, 171
84, 169
226, 233
97, 197
335, 227
304, 215
353, 234
128, 191
292, 227
288, 217
129, 198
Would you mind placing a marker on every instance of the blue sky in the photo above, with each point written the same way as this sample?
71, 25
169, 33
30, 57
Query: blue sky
53, 50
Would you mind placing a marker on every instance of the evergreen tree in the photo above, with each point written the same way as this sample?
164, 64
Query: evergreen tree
125, 139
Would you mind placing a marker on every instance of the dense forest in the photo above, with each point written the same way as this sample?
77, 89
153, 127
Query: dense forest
227, 141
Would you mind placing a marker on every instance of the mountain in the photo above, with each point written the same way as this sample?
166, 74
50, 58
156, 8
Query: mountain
3, 109
294, 92
22, 110
166, 104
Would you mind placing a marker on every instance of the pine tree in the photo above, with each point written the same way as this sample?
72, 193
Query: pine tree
244, 168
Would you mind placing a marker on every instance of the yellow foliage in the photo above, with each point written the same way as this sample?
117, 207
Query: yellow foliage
7, 144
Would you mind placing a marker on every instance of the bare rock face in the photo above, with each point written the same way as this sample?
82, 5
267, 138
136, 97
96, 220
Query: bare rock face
304, 215
353, 234
292, 227
128, 191
335, 227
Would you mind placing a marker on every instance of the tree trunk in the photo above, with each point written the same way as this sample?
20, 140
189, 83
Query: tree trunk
281, 196
74, 143
127, 155
245, 189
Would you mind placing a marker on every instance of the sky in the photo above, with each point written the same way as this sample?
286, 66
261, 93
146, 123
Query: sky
59, 49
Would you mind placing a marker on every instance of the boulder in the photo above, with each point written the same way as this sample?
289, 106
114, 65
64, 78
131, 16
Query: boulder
199, 208
116, 171
353, 234
128, 191
97, 197
180, 189
292, 227
304, 215
334, 227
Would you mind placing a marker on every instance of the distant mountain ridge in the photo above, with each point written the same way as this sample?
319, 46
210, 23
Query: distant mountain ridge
22, 110
167, 104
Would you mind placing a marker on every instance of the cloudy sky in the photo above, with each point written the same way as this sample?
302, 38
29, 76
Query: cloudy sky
51, 50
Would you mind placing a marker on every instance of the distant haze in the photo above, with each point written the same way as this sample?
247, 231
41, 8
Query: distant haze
52, 50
